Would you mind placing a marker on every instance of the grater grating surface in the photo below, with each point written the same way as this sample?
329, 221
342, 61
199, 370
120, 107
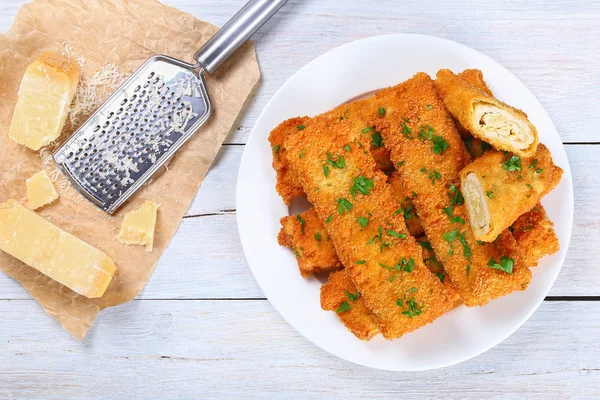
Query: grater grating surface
135, 132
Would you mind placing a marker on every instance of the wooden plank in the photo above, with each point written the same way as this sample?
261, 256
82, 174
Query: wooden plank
205, 258
558, 59
243, 349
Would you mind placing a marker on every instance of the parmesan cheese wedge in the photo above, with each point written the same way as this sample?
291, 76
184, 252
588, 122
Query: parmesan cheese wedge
46, 91
138, 226
40, 190
54, 252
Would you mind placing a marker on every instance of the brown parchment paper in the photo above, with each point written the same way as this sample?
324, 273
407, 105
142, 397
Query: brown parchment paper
126, 33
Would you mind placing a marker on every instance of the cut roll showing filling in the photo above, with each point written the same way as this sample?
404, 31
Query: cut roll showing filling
479, 214
502, 126
485, 117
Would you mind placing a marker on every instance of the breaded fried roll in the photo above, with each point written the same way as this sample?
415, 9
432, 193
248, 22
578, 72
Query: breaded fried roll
355, 203
287, 185
500, 187
340, 295
424, 142
485, 117
309, 241
435, 266
406, 206
534, 234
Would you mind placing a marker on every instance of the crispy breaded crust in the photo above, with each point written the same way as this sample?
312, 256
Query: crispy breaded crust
401, 300
435, 266
534, 233
358, 319
459, 97
414, 105
511, 192
308, 239
475, 78
405, 199
287, 185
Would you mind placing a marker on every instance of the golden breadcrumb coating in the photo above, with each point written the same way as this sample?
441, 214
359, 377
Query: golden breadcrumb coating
309, 241
356, 205
422, 137
340, 295
406, 206
534, 233
461, 98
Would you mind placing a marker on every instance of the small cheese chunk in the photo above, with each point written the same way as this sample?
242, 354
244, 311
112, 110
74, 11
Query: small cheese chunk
40, 190
138, 226
54, 252
46, 91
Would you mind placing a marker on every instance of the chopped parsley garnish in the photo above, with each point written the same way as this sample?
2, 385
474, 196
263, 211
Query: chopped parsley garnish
381, 111
318, 237
467, 253
347, 147
406, 211
441, 276
533, 164
490, 194
426, 133
302, 222
406, 265
506, 264
529, 186
401, 163
276, 149
396, 234
439, 144
539, 170
341, 117
352, 296
528, 228
329, 218
300, 127
363, 221
376, 139
343, 204
451, 235
361, 185
339, 163
386, 266
379, 238
480, 242
343, 307
367, 130
360, 262
429, 107
325, 171
413, 308
457, 219
423, 170
302, 154
406, 131
513, 164
434, 175
456, 199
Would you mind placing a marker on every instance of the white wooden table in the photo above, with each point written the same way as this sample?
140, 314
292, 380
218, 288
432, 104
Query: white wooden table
203, 329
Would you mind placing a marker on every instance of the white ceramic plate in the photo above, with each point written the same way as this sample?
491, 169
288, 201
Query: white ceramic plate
331, 79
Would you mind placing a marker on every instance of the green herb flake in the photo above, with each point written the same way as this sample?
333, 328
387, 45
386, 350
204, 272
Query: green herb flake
441, 276
529, 186
513, 164
533, 164
413, 309
361, 185
434, 176
429, 107
367, 130
439, 144
396, 234
490, 194
363, 221
352, 296
302, 154
339, 163
457, 219
385, 266
329, 218
539, 170
376, 140
318, 237
276, 149
302, 222
360, 262
401, 163
480, 242
325, 171
451, 235
426, 245
343, 204
506, 264
406, 131
381, 111
300, 127
343, 307
347, 147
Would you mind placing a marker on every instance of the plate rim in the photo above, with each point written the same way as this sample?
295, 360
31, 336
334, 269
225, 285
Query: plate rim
406, 36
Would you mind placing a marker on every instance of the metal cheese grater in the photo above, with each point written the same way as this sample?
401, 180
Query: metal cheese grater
151, 115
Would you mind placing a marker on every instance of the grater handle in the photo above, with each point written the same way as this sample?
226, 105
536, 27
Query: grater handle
235, 32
